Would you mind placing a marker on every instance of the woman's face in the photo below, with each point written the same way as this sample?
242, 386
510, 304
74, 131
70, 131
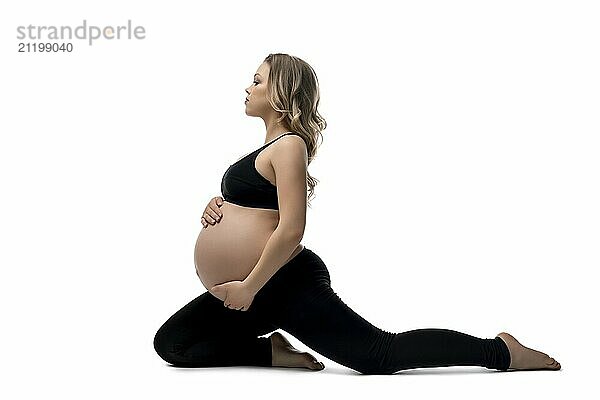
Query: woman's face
257, 104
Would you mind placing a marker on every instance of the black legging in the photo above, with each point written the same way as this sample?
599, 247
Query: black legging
299, 300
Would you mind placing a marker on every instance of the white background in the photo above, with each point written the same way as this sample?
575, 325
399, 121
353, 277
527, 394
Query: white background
458, 186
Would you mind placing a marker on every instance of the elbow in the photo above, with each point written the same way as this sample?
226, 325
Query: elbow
294, 234
299, 235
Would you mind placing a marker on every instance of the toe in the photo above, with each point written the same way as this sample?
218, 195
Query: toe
317, 365
312, 362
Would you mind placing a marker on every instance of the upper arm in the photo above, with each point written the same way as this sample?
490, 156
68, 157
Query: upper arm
290, 163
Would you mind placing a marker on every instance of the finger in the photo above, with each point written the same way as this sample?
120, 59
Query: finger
208, 218
217, 211
203, 221
213, 214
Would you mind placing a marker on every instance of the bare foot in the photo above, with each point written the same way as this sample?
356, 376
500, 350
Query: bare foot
524, 358
285, 355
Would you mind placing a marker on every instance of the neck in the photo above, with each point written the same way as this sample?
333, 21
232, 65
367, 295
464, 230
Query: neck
274, 130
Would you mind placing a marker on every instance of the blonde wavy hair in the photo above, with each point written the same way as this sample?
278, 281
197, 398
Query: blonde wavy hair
293, 91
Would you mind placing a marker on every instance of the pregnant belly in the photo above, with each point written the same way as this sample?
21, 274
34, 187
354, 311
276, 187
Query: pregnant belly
230, 249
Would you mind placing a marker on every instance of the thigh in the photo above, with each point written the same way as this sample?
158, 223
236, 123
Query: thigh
305, 305
322, 321
206, 318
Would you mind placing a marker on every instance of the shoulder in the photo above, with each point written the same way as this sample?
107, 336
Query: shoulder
290, 148
292, 143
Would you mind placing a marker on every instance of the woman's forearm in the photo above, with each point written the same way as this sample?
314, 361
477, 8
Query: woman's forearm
278, 249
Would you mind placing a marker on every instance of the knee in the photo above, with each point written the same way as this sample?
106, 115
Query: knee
374, 365
374, 370
376, 358
163, 346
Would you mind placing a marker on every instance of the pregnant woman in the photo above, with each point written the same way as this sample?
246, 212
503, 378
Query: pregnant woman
260, 278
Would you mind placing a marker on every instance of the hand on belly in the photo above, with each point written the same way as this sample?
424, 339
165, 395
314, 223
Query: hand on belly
230, 249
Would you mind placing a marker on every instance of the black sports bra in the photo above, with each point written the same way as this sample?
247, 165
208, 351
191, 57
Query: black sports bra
243, 185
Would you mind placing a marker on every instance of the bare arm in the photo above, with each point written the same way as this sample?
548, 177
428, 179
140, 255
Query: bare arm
290, 164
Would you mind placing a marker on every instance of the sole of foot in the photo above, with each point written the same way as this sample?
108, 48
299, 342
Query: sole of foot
285, 355
525, 359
